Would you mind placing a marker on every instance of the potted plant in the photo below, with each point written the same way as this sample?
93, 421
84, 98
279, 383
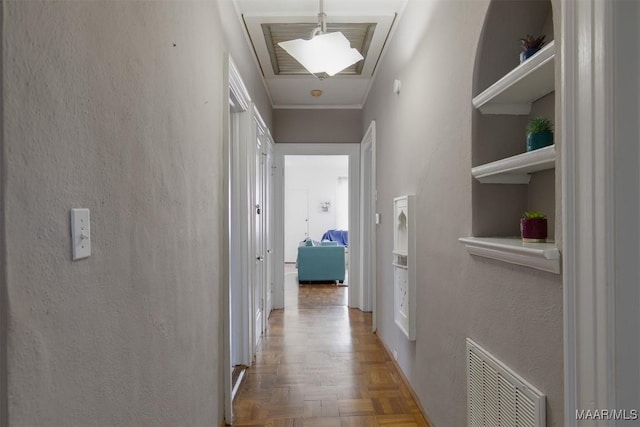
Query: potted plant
533, 227
539, 133
530, 45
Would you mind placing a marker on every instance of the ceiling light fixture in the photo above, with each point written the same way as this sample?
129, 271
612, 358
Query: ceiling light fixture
325, 52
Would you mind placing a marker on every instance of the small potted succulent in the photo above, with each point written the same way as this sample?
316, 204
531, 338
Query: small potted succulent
533, 227
530, 45
539, 133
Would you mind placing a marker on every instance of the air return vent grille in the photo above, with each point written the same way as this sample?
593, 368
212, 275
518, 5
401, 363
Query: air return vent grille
497, 396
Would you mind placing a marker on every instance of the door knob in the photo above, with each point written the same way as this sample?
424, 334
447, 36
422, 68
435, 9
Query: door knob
260, 258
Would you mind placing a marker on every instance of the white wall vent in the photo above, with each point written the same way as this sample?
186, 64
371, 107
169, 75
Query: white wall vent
497, 396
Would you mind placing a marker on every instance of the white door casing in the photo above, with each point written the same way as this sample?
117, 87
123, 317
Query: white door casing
368, 196
247, 146
258, 243
268, 218
234, 302
324, 149
599, 157
259, 250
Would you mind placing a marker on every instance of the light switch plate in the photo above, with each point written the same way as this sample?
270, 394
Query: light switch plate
80, 234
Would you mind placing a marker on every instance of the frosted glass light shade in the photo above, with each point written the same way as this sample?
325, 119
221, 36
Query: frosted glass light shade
325, 53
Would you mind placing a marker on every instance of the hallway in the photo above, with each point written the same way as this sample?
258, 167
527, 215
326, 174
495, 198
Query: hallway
320, 365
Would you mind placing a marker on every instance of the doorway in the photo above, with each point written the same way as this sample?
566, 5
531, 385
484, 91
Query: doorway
352, 153
316, 206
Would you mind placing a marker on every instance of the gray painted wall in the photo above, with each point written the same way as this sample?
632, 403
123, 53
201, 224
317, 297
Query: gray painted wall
317, 125
424, 147
3, 257
116, 107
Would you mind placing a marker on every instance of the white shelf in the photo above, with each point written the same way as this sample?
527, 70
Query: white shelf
542, 256
514, 93
516, 169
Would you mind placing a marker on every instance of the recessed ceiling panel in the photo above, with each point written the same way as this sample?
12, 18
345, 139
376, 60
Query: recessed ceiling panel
366, 24
358, 34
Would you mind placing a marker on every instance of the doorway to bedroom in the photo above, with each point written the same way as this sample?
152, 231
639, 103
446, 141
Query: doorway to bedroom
316, 223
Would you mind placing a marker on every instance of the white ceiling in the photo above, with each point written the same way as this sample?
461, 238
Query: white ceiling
340, 91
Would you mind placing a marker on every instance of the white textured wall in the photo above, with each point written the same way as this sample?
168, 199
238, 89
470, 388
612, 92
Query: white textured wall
116, 107
424, 147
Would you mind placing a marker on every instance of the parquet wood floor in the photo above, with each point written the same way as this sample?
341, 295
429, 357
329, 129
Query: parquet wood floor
319, 364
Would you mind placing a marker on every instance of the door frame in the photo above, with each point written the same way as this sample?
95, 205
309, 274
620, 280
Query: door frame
262, 149
324, 149
594, 275
235, 244
269, 228
256, 281
368, 200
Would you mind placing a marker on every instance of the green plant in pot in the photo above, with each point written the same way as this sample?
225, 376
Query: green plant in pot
533, 227
539, 133
530, 45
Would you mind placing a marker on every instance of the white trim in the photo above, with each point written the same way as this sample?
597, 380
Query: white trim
516, 169
587, 220
542, 256
255, 289
368, 210
259, 119
269, 225
514, 93
326, 149
241, 238
237, 98
626, 16
237, 89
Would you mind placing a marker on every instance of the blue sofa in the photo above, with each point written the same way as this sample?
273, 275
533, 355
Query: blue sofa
321, 263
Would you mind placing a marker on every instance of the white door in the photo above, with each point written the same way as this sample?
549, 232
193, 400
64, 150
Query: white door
268, 230
259, 274
296, 222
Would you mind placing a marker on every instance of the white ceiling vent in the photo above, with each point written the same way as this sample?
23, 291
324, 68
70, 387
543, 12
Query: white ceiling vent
497, 396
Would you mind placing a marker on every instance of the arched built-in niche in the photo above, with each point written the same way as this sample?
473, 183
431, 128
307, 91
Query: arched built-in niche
507, 181
404, 266
401, 232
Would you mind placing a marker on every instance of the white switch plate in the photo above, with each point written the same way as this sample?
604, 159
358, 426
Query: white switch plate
80, 234
397, 85
377, 218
